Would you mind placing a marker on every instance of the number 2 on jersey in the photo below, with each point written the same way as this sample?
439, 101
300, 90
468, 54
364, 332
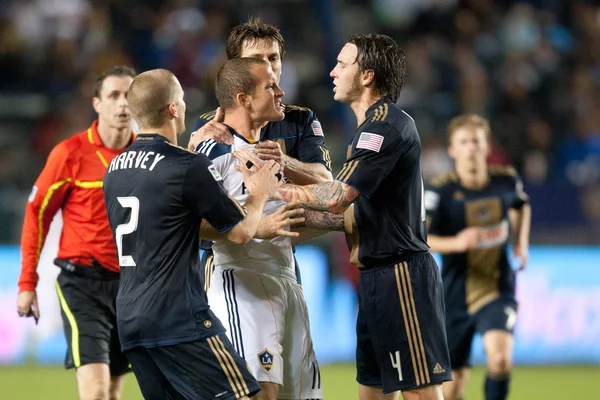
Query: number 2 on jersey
125, 229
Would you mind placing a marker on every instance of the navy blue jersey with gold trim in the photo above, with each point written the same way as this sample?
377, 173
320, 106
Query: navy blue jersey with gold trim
156, 196
387, 223
299, 134
474, 278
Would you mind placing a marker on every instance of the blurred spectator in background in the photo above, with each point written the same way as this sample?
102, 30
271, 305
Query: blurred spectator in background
530, 66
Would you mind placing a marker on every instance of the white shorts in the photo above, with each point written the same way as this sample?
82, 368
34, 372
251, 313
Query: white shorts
267, 321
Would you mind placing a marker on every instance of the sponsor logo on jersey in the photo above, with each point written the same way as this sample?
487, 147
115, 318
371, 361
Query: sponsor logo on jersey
213, 171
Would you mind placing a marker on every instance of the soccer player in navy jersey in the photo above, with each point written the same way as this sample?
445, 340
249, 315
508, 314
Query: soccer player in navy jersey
156, 196
401, 343
469, 213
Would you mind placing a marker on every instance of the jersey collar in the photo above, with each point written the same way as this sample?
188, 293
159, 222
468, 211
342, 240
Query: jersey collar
150, 136
234, 133
94, 137
371, 110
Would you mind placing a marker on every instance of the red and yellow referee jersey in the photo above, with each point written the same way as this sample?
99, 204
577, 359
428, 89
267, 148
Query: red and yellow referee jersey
71, 181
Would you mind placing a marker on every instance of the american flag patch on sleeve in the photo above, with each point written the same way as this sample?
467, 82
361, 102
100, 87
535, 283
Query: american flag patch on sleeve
370, 141
316, 127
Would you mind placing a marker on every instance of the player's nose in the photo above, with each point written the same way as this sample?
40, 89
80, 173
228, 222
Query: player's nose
279, 92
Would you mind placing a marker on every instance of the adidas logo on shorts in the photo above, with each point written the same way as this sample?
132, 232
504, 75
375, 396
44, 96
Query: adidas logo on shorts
438, 369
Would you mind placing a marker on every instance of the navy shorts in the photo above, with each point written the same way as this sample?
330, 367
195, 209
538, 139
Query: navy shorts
500, 314
401, 341
201, 370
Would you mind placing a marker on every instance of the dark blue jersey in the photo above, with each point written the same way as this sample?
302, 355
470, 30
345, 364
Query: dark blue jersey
387, 223
475, 278
156, 196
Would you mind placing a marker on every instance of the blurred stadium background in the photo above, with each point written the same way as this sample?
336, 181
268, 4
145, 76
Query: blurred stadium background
532, 67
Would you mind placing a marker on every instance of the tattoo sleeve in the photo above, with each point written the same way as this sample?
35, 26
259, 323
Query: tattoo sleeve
334, 196
323, 220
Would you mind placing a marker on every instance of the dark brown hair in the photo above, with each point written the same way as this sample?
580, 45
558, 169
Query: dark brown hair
382, 55
117, 70
252, 31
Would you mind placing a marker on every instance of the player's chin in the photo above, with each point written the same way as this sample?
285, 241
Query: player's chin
122, 123
278, 114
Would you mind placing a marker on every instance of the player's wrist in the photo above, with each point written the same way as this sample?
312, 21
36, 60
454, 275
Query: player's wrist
259, 196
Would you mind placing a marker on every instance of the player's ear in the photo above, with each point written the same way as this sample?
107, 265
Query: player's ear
96, 104
242, 99
451, 151
172, 110
368, 77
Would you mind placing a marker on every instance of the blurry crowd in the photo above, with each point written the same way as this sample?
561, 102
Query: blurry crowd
531, 67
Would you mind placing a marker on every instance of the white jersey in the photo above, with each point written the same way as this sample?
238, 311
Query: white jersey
255, 294
278, 251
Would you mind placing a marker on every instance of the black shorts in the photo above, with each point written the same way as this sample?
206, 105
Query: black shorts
90, 321
500, 314
401, 341
204, 369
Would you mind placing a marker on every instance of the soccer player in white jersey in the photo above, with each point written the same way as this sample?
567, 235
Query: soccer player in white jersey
254, 289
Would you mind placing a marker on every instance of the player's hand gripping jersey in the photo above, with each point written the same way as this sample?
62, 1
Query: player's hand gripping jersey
299, 134
277, 250
254, 289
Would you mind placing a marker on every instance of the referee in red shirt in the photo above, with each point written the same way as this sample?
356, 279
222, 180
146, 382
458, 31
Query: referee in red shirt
88, 283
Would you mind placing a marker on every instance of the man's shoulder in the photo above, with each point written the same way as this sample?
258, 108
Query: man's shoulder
502, 171
297, 114
207, 116
74, 146
391, 119
213, 149
502, 176
444, 181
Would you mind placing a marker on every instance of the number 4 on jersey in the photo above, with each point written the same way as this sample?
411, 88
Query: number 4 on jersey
125, 229
395, 359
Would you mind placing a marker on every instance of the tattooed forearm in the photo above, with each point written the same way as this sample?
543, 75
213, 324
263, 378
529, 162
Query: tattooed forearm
334, 196
323, 220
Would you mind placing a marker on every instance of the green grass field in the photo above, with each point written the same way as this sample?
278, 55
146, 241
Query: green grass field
529, 383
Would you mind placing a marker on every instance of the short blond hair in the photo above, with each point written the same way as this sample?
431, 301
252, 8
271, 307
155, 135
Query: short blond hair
149, 95
472, 120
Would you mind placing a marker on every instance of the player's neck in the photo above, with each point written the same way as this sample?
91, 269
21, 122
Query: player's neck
114, 138
362, 104
473, 178
244, 126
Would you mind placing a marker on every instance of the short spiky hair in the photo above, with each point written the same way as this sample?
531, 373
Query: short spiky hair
253, 30
117, 70
382, 55
473, 120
